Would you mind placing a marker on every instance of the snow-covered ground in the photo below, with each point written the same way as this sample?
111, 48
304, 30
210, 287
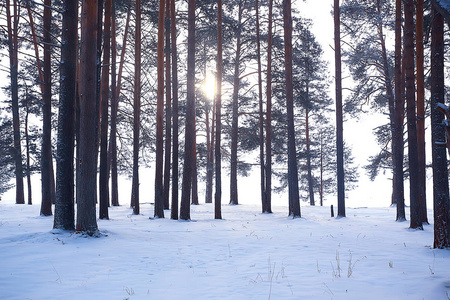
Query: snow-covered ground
247, 255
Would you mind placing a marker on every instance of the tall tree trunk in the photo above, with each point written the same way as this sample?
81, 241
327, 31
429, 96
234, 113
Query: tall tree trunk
321, 168
441, 203
294, 201
168, 135
173, 32
416, 221
137, 109
194, 166
217, 150
64, 206
13, 65
46, 158
114, 108
27, 140
190, 117
235, 121
159, 201
261, 112
421, 112
308, 158
267, 207
339, 116
86, 187
103, 182
210, 155
397, 134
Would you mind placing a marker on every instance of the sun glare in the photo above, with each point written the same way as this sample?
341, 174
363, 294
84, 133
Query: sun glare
209, 86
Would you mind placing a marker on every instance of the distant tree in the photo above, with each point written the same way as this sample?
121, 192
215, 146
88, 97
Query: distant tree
339, 115
86, 187
294, 202
64, 204
441, 203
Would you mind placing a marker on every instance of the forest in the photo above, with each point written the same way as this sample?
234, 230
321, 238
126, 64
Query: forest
197, 90
199, 93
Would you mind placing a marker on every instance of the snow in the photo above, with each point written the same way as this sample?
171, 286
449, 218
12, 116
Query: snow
248, 255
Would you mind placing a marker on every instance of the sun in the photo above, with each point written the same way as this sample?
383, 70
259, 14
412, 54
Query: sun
209, 86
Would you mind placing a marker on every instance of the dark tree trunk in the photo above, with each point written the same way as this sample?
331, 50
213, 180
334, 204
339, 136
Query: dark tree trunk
234, 120
399, 106
114, 108
137, 110
194, 168
86, 187
308, 159
190, 118
27, 140
217, 150
267, 206
174, 212
64, 206
294, 201
339, 115
261, 112
103, 182
46, 158
159, 201
168, 137
441, 200
210, 155
13, 65
416, 221
421, 112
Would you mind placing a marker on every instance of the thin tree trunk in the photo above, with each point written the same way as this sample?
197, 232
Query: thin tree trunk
86, 187
103, 182
210, 155
190, 117
64, 206
174, 211
267, 208
397, 134
114, 108
294, 201
416, 220
217, 150
235, 121
159, 201
421, 112
137, 109
27, 145
308, 159
194, 166
339, 116
46, 158
261, 112
168, 137
441, 203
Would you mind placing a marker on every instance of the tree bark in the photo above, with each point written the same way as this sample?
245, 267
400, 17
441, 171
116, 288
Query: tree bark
64, 206
173, 32
86, 187
421, 112
267, 206
416, 221
399, 106
137, 109
27, 141
217, 150
441, 202
159, 201
339, 115
46, 158
235, 108
103, 181
294, 201
168, 135
308, 158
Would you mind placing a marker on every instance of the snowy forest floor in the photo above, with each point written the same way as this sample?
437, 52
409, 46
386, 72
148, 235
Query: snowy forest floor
247, 255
